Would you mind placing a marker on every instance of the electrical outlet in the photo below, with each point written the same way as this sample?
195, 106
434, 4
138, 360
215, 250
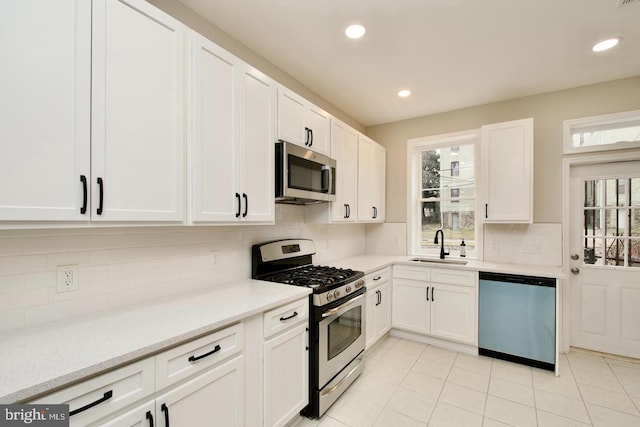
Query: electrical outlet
67, 278
215, 259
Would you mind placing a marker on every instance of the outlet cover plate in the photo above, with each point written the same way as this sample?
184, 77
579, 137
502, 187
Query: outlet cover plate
67, 278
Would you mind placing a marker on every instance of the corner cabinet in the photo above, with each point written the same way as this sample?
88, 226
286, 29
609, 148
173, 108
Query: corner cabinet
231, 136
302, 123
437, 302
507, 171
137, 133
371, 180
379, 297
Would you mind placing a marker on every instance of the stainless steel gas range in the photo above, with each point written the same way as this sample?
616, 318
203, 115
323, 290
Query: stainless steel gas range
337, 320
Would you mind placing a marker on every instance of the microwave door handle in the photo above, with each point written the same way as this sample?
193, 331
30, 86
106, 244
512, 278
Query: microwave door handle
326, 180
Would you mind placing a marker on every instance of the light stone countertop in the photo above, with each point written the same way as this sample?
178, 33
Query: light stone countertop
38, 359
370, 263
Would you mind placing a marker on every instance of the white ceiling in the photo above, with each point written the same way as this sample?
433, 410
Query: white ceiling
450, 53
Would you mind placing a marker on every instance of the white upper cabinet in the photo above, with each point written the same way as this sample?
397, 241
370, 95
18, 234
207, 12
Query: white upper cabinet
302, 123
137, 113
507, 171
45, 130
344, 150
232, 133
371, 180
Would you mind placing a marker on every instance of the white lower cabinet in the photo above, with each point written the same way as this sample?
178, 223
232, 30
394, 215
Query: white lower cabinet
378, 317
286, 363
215, 398
140, 416
436, 302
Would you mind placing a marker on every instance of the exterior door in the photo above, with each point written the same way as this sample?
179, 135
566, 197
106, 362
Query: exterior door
605, 257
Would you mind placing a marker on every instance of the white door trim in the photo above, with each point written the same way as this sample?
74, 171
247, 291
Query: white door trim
567, 164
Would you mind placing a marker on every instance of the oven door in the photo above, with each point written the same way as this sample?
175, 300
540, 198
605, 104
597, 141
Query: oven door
341, 337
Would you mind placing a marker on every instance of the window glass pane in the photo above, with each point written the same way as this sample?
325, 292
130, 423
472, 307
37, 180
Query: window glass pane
457, 220
592, 137
431, 170
614, 252
635, 223
634, 253
592, 222
635, 191
592, 193
455, 192
430, 220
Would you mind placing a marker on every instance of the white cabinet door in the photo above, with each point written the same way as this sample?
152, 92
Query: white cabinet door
137, 113
215, 398
410, 305
344, 150
291, 126
45, 129
286, 376
382, 320
141, 416
319, 124
259, 106
453, 312
371, 177
213, 132
507, 169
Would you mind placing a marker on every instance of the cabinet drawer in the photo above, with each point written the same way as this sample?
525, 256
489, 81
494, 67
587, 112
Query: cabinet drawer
108, 392
185, 360
411, 272
453, 277
377, 278
284, 317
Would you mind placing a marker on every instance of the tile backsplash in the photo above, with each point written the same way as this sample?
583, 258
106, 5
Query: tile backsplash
123, 266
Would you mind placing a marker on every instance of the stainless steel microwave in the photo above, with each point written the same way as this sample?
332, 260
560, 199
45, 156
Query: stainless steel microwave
303, 176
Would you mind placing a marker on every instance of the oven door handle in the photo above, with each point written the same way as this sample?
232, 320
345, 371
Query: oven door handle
340, 307
335, 387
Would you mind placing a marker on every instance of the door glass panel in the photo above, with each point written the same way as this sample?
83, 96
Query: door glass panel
592, 193
616, 220
635, 223
616, 192
614, 252
593, 251
592, 222
635, 191
634, 253
343, 331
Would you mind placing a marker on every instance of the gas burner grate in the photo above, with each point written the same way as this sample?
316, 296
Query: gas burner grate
315, 277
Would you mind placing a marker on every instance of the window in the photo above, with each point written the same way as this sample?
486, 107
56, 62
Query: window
611, 215
600, 133
442, 186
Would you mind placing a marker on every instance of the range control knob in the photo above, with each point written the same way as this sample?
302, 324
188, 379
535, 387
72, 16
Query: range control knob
347, 289
336, 294
329, 296
359, 284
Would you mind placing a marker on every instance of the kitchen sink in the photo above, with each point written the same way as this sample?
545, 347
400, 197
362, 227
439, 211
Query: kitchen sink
440, 261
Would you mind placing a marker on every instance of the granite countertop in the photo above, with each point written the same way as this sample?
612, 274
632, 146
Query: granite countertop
38, 359
370, 263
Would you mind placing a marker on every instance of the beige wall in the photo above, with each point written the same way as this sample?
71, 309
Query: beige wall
548, 110
204, 27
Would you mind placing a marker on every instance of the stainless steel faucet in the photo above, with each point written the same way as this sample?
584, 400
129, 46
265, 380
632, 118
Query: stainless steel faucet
435, 240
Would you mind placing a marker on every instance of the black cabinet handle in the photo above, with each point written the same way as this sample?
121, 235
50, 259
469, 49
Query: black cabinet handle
101, 190
107, 395
375, 212
164, 408
149, 416
311, 139
306, 136
433, 298
428, 293
486, 210
295, 313
83, 180
348, 210
246, 205
216, 349
239, 202
377, 278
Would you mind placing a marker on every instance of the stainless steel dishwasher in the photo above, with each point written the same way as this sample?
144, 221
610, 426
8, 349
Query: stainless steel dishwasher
517, 319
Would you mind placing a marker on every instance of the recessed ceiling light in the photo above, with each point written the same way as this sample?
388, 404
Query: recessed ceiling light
404, 93
605, 44
355, 31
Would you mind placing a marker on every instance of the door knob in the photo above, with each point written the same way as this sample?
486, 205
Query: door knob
575, 257
575, 270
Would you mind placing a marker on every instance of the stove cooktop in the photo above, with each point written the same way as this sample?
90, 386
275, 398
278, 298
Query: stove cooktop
318, 278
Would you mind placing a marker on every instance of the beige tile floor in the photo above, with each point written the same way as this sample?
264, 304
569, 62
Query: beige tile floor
406, 383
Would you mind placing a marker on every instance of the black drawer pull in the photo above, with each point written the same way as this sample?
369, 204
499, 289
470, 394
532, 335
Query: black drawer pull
239, 203
246, 205
164, 408
83, 209
216, 349
107, 395
150, 418
101, 190
295, 313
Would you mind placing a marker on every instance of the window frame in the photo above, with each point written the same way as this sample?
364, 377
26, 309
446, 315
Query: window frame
605, 121
415, 146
